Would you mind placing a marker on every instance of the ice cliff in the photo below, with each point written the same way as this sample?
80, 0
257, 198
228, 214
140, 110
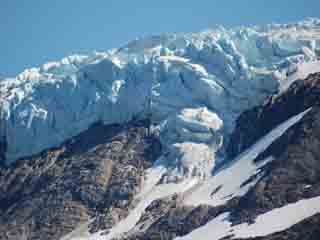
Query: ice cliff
193, 86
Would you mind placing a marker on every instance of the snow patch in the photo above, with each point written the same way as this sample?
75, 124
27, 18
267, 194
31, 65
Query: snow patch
188, 160
227, 182
150, 192
300, 71
276, 220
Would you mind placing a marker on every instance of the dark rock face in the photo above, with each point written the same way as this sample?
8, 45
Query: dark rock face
293, 175
168, 218
181, 220
255, 123
95, 174
3, 146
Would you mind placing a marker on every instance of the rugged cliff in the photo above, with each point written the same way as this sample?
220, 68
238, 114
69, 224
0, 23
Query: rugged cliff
95, 174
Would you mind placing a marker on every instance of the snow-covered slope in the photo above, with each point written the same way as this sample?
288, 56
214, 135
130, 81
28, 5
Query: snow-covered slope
228, 182
215, 191
150, 192
193, 86
274, 221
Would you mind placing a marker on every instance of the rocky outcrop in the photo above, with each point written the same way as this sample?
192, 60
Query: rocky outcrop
94, 175
181, 220
294, 174
3, 147
168, 218
256, 122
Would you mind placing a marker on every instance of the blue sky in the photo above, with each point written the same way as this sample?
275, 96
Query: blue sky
36, 31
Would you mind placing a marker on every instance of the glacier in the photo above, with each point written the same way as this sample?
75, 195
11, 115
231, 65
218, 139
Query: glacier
193, 86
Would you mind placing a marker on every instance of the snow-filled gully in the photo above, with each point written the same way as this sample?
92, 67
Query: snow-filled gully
196, 192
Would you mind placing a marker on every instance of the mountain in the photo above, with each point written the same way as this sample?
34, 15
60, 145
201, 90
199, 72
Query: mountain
210, 135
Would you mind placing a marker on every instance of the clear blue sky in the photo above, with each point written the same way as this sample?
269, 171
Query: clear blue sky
35, 31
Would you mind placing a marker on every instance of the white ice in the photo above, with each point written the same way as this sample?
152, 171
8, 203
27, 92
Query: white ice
150, 192
301, 71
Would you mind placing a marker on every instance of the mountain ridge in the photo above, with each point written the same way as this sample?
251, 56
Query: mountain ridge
167, 137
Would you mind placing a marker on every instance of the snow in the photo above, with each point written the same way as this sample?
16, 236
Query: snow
152, 177
192, 137
301, 71
150, 192
80, 233
169, 77
158, 192
230, 180
189, 159
276, 220
216, 229
192, 124
226, 183
173, 58
280, 219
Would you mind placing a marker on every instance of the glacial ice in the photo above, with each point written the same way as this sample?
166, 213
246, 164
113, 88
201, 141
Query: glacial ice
193, 86
192, 125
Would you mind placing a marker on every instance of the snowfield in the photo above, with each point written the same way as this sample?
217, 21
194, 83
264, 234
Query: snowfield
273, 221
227, 182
